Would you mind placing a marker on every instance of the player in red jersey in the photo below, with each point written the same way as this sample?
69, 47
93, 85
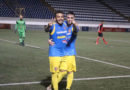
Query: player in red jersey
100, 34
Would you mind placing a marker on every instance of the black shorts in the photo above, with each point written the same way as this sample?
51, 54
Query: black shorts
100, 34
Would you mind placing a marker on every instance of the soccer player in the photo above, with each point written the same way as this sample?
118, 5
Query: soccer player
68, 64
21, 28
100, 34
57, 32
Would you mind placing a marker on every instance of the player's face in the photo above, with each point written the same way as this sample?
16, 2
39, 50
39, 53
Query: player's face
21, 17
70, 18
102, 22
59, 18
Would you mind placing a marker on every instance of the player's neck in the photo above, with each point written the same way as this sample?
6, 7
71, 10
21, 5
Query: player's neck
68, 24
21, 19
60, 24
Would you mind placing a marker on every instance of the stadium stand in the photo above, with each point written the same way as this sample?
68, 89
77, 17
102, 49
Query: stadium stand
123, 6
39, 12
33, 9
87, 10
5, 10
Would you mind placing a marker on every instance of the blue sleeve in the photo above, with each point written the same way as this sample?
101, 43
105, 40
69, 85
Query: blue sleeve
51, 28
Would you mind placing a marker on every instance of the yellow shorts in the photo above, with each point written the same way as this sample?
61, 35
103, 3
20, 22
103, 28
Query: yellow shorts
55, 63
68, 63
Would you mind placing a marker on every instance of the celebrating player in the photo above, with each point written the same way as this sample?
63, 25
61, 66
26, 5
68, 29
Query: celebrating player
68, 64
57, 30
21, 27
100, 34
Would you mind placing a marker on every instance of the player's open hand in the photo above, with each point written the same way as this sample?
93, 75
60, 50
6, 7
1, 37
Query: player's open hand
52, 21
50, 42
74, 22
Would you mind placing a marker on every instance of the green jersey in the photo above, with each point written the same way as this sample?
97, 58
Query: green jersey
20, 26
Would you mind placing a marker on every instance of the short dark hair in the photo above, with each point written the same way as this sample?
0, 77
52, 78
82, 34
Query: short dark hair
20, 15
71, 12
58, 12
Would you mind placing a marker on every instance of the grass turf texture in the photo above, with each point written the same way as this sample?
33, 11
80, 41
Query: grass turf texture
26, 64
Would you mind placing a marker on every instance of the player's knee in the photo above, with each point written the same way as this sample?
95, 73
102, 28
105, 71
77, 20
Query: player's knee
56, 68
70, 72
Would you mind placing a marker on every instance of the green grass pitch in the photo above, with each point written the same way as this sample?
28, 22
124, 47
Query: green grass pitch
29, 64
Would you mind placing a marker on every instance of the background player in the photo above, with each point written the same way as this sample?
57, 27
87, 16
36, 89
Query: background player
100, 34
57, 32
21, 27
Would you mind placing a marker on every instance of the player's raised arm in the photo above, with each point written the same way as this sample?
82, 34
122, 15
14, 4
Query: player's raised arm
75, 27
47, 29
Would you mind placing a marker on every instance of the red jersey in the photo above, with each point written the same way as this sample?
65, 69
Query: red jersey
100, 28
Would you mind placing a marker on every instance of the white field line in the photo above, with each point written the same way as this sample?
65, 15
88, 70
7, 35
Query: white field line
28, 45
76, 79
8, 41
117, 65
99, 78
22, 83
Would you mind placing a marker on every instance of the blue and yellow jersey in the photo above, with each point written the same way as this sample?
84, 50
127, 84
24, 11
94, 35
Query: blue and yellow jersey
58, 36
71, 39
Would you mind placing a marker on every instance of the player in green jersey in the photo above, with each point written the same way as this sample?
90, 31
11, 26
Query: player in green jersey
21, 28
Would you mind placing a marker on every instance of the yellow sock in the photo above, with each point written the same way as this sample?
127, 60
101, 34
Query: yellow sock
61, 75
55, 81
70, 77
